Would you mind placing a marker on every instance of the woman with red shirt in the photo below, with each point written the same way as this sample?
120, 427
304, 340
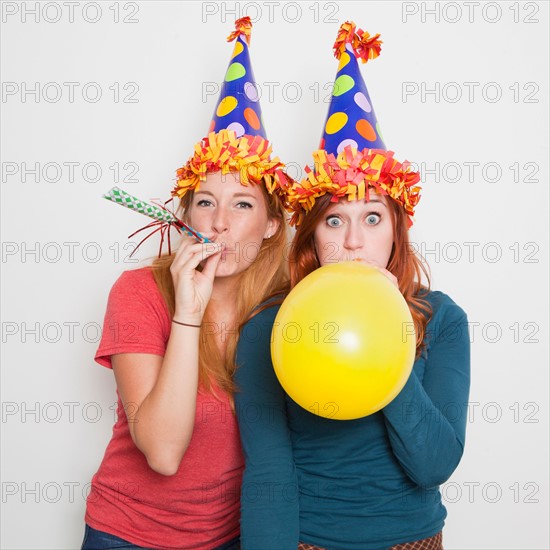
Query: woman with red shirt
171, 474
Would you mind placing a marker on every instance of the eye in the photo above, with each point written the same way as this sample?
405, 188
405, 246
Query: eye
203, 202
244, 204
334, 221
373, 219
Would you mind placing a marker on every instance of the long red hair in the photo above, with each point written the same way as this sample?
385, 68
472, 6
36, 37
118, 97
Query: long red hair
403, 263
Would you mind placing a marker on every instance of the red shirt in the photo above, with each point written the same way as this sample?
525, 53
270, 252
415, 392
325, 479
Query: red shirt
199, 506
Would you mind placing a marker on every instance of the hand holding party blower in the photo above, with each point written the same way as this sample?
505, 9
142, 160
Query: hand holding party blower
164, 219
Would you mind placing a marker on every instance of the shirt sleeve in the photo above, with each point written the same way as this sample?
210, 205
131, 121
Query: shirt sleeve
426, 422
269, 498
135, 319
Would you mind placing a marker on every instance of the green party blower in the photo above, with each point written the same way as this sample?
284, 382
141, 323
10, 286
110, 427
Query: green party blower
164, 219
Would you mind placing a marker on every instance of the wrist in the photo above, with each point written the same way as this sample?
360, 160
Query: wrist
187, 318
191, 325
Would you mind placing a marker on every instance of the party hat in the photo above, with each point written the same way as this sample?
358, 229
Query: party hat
352, 156
236, 141
238, 107
351, 119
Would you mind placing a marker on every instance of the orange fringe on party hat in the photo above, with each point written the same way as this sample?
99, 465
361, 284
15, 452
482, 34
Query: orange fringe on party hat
249, 156
350, 175
364, 45
243, 26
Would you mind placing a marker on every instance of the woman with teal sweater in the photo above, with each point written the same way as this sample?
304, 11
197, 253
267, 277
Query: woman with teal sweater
372, 483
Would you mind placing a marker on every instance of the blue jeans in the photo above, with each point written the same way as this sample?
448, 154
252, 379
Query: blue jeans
99, 540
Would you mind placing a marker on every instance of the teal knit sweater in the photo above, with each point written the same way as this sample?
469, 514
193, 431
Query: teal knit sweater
363, 484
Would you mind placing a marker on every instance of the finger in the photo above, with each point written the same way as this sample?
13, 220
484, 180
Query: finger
389, 275
211, 265
185, 242
382, 270
188, 240
204, 249
201, 255
368, 262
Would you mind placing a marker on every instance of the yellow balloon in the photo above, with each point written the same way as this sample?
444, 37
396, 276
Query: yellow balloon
343, 343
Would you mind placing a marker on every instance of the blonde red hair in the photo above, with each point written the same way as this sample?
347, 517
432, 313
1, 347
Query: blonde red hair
266, 276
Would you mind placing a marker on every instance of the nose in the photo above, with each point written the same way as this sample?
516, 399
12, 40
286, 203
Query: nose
353, 239
220, 220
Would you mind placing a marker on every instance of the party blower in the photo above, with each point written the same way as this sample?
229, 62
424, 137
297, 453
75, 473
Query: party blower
164, 219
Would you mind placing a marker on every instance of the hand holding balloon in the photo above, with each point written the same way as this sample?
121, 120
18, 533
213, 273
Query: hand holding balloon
391, 277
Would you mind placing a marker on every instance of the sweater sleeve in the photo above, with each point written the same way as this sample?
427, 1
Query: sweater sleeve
426, 422
269, 500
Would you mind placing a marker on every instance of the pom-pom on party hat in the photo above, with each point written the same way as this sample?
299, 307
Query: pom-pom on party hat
236, 141
352, 156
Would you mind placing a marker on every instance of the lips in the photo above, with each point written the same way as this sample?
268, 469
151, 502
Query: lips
226, 246
228, 250
354, 259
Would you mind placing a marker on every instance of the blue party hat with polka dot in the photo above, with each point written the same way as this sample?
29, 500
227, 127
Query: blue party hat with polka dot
351, 119
238, 107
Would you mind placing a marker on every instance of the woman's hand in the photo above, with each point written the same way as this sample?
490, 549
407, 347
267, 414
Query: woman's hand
193, 288
392, 278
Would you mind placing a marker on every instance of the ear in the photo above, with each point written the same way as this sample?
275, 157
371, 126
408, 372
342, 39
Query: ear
271, 227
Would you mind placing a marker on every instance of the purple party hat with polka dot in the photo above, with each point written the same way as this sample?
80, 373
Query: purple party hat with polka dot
351, 119
238, 107
352, 158
236, 140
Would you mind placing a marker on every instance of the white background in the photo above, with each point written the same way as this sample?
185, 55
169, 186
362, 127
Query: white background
173, 51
